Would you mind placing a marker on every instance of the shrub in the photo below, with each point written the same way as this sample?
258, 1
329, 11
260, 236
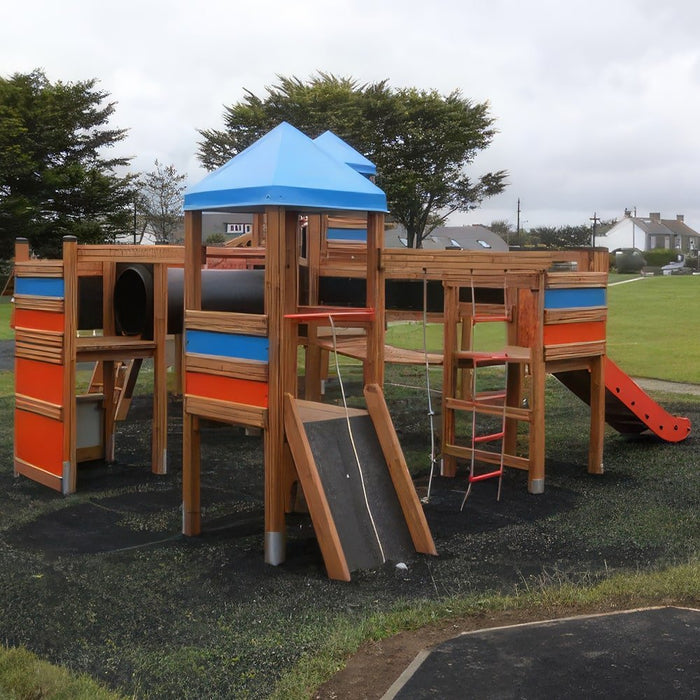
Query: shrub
215, 239
660, 257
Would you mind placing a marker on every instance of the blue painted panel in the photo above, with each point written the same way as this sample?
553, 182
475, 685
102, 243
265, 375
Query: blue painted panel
347, 234
574, 298
242, 347
40, 286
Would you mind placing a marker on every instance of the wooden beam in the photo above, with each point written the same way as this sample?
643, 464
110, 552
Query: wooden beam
597, 402
191, 457
70, 298
398, 470
321, 516
159, 437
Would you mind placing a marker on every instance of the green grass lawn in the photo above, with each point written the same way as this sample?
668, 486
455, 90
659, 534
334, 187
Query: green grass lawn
653, 330
6, 333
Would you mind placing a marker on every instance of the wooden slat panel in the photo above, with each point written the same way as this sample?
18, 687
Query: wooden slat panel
586, 315
226, 411
576, 279
40, 338
225, 367
39, 303
90, 268
39, 268
38, 474
225, 322
168, 254
560, 352
42, 408
29, 351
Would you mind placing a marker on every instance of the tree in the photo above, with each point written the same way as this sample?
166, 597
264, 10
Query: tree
419, 140
55, 176
159, 202
503, 228
562, 236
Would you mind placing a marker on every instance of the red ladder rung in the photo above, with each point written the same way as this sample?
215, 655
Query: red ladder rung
489, 438
473, 478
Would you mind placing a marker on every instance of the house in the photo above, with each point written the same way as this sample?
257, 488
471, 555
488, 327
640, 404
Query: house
473, 237
648, 233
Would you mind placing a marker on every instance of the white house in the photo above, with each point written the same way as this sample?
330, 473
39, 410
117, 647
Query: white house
650, 232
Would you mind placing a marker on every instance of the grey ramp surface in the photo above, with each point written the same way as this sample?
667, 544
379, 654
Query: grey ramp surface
337, 466
650, 653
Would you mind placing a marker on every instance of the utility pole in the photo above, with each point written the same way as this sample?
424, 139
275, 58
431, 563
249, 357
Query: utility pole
517, 225
595, 221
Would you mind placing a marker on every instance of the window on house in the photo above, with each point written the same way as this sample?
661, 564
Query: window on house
483, 244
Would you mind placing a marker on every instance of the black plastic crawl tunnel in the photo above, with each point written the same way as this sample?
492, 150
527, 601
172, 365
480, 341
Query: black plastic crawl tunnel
222, 290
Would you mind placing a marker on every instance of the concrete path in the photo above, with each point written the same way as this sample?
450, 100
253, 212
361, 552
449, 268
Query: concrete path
651, 653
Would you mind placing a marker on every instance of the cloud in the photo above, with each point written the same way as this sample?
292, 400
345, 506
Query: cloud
595, 101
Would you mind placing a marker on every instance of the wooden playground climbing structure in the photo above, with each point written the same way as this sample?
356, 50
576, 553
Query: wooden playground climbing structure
240, 367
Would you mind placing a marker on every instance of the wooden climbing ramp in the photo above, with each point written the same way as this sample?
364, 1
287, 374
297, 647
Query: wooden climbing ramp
357, 486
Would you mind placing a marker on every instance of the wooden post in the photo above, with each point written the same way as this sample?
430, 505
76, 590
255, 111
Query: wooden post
314, 355
597, 430
70, 316
258, 236
374, 364
21, 250
449, 373
109, 271
280, 298
535, 476
159, 440
191, 515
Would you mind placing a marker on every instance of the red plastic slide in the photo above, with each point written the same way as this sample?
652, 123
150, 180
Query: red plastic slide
628, 408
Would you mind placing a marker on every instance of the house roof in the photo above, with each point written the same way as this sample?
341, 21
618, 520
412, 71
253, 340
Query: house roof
474, 237
285, 168
345, 153
654, 226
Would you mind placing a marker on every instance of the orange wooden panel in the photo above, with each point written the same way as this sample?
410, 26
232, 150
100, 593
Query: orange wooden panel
39, 441
212, 386
38, 320
40, 380
561, 333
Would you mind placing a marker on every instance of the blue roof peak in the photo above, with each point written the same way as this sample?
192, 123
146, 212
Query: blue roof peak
344, 152
285, 168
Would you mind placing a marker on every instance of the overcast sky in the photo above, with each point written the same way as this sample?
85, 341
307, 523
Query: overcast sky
597, 102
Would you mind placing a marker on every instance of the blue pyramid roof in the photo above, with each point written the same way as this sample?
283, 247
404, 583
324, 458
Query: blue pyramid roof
345, 153
285, 168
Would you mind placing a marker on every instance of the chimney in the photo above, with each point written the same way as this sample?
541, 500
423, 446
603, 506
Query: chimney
680, 217
655, 215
